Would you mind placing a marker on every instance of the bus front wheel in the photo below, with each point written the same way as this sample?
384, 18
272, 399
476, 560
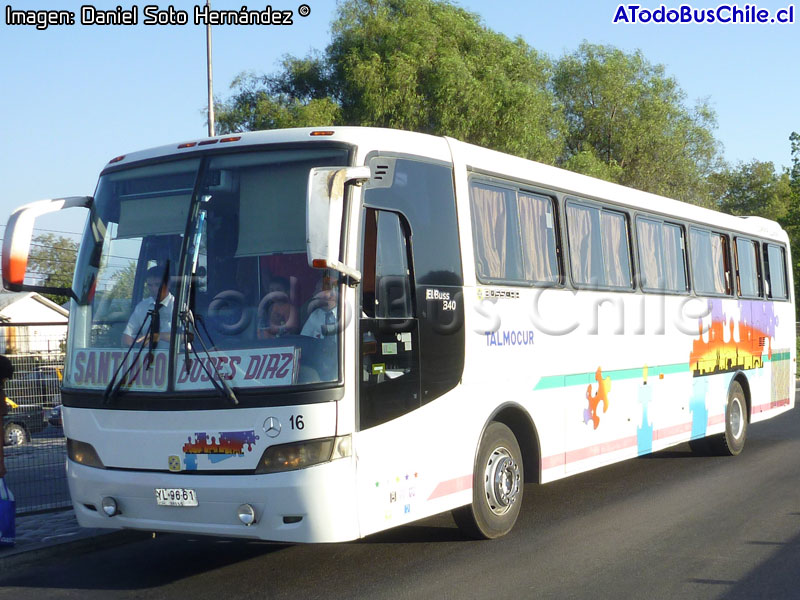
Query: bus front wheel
497, 486
732, 441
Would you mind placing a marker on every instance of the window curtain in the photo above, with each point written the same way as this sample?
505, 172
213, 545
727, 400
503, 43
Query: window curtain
582, 254
701, 261
538, 238
650, 254
748, 276
708, 262
616, 257
491, 230
718, 264
674, 259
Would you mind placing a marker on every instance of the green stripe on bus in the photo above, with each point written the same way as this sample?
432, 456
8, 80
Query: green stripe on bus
556, 381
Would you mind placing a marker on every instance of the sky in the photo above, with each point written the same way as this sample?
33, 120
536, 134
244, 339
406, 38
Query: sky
74, 96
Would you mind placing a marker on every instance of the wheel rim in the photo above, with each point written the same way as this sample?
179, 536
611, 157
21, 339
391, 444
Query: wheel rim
736, 418
15, 437
501, 481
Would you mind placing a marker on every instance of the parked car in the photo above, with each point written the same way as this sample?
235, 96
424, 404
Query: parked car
22, 421
54, 417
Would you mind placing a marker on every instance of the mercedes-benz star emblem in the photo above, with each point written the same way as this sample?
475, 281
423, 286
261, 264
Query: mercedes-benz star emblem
272, 427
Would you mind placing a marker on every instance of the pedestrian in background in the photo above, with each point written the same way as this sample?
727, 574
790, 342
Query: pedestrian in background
6, 371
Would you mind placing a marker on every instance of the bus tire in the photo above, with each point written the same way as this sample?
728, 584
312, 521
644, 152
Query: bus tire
497, 486
731, 443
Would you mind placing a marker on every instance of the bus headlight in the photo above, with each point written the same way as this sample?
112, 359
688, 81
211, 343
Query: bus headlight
83, 454
299, 455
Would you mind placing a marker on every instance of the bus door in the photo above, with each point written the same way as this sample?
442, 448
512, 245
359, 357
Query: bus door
389, 370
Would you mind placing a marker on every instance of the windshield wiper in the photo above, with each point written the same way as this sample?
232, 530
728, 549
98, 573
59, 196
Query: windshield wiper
153, 332
220, 384
113, 387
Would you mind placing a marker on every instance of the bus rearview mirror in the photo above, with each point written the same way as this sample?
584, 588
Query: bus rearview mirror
17, 241
325, 207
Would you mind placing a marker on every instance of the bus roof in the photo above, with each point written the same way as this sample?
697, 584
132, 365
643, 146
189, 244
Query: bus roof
368, 138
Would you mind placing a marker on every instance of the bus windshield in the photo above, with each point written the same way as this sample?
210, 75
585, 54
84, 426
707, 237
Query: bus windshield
194, 272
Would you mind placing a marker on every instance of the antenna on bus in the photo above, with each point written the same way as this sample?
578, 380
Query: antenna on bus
210, 77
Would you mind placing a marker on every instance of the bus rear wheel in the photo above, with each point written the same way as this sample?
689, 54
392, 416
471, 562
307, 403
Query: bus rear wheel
732, 441
497, 486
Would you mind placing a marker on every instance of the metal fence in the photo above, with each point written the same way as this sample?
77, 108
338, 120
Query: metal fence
35, 447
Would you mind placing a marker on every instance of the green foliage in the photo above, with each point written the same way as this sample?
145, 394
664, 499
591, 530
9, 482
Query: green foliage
52, 259
122, 282
631, 116
420, 65
794, 139
255, 107
588, 163
753, 188
791, 222
431, 66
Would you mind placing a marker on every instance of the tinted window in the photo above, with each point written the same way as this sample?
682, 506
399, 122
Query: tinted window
748, 272
776, 271
710, 268
599, 247
662, 256
423, 193
386, 285
496, 233
538, 238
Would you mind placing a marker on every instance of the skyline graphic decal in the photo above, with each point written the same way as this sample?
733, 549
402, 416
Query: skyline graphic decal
721, 350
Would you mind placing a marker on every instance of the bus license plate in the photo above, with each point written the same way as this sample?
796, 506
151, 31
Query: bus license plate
175, 497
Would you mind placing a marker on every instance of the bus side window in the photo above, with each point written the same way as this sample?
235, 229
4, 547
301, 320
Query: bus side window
710, 264
775, 257
748, 272
390, 383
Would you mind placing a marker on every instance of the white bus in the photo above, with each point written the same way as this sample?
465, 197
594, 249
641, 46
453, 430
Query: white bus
312, 335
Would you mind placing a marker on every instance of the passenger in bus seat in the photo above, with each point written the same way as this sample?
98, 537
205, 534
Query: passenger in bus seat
277, 316
160, 294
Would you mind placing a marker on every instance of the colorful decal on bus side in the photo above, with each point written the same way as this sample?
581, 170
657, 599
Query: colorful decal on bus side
603, 388
644, 433
227, 445
717, 349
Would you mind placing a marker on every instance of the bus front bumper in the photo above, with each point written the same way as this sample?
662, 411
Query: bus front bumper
317, 504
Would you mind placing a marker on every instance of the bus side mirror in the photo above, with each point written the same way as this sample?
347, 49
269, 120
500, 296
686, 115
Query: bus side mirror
324, 211
17, 242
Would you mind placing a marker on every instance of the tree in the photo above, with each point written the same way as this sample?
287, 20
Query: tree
52, 260
753, 188
421, 65
121, 282
627, 122
791, 222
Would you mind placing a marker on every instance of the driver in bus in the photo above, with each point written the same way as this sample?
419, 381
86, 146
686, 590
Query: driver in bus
159, 295
322, 321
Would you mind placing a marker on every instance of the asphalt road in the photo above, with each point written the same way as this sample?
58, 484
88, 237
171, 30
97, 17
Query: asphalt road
672, 525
